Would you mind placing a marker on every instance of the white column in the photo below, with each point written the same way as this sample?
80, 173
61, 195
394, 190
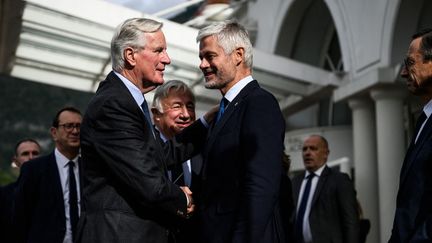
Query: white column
391, 151
365, 162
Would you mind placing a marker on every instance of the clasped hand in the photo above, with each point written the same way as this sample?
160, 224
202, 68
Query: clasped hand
191, 205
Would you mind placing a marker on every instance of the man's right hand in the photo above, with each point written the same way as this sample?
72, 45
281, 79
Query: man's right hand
191, 205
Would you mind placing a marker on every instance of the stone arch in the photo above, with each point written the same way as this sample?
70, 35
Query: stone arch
307, 33
412, 15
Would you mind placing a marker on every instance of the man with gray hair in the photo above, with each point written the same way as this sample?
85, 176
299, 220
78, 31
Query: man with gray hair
127, 196
174, 110
243, 154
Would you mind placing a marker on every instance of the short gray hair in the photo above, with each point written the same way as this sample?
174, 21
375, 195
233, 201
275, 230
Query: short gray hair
230, 35
163, 91
130, 34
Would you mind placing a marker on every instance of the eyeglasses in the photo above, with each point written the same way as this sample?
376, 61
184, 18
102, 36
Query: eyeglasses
408, 62
68, 127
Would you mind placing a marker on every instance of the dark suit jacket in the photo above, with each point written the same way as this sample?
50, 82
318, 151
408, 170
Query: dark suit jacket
39, 214
333, 216
186, 229
413, 217
127, 195
288, 209
6, 206
242, 171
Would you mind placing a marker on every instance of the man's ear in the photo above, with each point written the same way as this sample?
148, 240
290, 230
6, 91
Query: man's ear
53, 132
239, 55
155, 113
129, 57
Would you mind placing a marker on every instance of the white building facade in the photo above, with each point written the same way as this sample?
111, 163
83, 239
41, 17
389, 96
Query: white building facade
333, 65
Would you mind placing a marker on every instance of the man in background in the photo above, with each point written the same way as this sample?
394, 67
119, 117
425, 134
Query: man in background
173, 110
413, 216
47, 197
326, 201
25, 150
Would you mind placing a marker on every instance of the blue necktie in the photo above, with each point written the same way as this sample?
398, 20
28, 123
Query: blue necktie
146, 111
73, 199
302, 209
222, 106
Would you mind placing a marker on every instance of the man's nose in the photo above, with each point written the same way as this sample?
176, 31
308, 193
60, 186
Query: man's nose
185, 112
166, 59
204, 64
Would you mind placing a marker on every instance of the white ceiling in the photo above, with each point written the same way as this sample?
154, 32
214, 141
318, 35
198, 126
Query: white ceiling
66, 43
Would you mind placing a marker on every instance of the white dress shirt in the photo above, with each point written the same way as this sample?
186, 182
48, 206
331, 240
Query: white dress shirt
307, 234
235, 90
63, 168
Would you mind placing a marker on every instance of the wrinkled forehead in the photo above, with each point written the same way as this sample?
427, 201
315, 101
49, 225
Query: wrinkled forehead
414, 47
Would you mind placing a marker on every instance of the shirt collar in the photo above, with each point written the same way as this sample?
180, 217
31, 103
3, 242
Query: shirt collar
134, 90
427, 109
235, 90
62, 160
164, 139
318, 172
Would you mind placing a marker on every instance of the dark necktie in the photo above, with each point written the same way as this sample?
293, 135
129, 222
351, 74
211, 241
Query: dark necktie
73, 199
419, 123
222, 106
302, 209
146, 111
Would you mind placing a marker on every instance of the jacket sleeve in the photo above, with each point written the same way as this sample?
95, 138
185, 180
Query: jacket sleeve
125, 146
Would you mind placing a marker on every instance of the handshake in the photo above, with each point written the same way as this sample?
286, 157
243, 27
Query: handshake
190, 206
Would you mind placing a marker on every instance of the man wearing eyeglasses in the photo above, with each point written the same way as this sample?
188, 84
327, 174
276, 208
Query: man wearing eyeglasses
413, 216
48, 193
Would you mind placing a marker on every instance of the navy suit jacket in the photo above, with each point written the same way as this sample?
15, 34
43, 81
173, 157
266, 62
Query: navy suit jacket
413, 217
39, 214
6, 206
242, 171
127, 196
186, 229
333, 216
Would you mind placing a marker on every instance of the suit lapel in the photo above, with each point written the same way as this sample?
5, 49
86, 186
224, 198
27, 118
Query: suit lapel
414, 149
296, 186
230, 110
321, 182
56, 182
119, 88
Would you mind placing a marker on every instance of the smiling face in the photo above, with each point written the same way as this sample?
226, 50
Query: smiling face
417, 72
219, 68
315, 153
150, 61
178, 113
67, 134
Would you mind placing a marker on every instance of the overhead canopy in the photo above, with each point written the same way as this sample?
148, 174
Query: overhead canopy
62, 43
